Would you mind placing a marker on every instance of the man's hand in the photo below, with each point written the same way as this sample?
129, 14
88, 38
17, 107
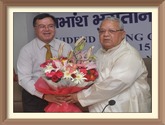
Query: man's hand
54, 98
71, 98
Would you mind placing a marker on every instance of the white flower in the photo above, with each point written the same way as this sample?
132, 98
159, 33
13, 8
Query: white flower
67, 75
79, 77
48, 68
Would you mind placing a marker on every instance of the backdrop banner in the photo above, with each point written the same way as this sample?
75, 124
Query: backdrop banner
138, 26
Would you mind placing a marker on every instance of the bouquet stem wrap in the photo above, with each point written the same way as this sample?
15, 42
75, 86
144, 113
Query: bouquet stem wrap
42, 86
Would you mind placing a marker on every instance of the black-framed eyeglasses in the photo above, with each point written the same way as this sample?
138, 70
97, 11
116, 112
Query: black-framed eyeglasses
103, 31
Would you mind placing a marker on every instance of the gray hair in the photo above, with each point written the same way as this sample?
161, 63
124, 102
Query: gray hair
121, 26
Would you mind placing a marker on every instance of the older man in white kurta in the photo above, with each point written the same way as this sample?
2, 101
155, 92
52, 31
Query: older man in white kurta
122, 78
122, 75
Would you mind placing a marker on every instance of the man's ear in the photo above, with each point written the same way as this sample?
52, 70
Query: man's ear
123, 34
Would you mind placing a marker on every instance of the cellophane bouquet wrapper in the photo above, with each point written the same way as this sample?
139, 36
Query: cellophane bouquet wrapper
67, 75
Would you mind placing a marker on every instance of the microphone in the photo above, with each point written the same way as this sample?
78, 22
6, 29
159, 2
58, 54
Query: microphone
111, 103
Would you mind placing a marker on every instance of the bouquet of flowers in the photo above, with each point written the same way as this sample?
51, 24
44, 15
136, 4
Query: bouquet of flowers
66, 75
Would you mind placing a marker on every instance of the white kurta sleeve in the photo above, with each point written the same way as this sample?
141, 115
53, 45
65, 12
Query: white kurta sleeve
123, 74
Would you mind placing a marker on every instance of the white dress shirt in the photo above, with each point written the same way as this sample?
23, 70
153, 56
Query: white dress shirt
122, 78
31, 56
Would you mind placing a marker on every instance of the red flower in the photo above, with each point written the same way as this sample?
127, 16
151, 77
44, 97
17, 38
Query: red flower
87, 76
59, 74
83, 70
49, 75
92, 71
91, 75
95, 73
55, 78
43, 65
73, 76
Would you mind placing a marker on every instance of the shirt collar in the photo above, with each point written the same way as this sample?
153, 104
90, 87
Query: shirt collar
41, 44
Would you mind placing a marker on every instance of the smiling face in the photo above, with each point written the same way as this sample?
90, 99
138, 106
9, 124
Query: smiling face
110, 34
45, 29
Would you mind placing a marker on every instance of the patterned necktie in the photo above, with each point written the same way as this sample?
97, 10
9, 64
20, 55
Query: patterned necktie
48, 53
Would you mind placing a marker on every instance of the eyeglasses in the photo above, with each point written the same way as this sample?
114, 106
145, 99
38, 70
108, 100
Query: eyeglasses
103, 31
42, 27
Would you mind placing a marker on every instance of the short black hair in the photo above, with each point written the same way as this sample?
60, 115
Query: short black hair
42, 16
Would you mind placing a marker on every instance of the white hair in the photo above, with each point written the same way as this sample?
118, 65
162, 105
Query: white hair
121, 26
